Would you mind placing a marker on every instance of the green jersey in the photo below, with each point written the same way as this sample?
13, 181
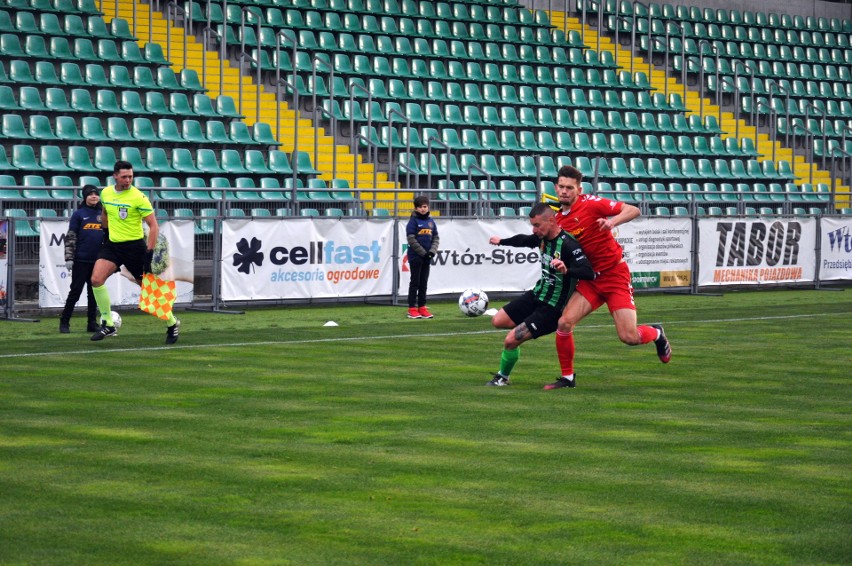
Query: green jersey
125, 211
554, 288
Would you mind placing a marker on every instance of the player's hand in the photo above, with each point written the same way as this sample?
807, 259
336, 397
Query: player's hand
149, 256
494, 240
69, 265
430, 255
559, 266
605, 224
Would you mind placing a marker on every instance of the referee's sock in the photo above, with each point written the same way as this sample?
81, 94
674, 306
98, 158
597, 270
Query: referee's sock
102, 299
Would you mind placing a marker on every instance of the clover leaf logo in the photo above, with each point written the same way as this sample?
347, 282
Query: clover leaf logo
248, 254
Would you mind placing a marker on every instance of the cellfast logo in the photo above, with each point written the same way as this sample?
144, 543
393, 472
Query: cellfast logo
326, 260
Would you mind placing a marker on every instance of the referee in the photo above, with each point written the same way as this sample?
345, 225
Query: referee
125, 209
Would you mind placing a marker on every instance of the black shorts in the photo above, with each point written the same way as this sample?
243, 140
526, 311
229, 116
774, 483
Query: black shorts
129, 254
541, 319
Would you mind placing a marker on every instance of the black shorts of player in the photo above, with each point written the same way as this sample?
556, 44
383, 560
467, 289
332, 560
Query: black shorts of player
541, 319
129, 254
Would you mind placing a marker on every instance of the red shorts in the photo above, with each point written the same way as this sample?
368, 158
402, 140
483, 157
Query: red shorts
612, 287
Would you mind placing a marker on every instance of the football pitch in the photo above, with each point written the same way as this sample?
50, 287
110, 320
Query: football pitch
269, 438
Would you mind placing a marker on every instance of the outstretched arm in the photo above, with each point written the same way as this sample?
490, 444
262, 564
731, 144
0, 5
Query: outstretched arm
628, 213
516, 241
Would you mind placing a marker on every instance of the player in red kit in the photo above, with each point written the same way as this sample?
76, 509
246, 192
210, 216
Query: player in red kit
590, 219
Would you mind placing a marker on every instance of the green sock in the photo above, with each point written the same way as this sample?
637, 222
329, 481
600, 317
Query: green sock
508, 359
171, 320
102, 298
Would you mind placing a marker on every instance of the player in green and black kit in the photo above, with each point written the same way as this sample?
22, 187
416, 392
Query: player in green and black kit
536, 312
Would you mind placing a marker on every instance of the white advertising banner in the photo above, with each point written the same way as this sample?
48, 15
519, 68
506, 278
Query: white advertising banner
304, 258
177, 265
658, 251
735, 251
466, 259
836, 249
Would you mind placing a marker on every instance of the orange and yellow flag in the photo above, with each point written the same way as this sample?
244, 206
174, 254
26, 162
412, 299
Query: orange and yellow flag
157, 296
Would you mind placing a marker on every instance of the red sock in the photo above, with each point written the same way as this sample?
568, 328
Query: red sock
565, 351
647, 333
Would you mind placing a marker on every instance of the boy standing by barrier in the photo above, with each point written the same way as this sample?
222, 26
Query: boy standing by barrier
422, 236
82, 244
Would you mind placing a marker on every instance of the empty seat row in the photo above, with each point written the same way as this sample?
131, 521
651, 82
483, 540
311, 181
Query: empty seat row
96, 76
107, 102
527, 118
82, 7
769, 69
796, 88
635, 168
750, 52
55, 24
696, 14
716, 193
832, 108
301, 16
310, 17
179, 160
393, 89
744, 34
38, 48
436, 48
816, 127
563, 142
140, 130
365, 66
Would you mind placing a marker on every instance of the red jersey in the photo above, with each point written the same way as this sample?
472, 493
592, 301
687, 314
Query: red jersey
581, 222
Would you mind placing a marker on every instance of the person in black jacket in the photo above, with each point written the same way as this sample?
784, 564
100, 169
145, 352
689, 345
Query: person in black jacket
82, 243
536, 313
422, 237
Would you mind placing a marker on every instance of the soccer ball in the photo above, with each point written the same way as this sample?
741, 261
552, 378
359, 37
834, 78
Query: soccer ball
473, 302
116, 320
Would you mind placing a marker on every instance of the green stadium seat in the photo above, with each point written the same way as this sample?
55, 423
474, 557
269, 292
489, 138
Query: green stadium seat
232, 162
50, 159
22, 226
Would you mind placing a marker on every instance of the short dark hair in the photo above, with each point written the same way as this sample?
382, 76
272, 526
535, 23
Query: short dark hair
540, 208
119, 165
421, 200
570, 172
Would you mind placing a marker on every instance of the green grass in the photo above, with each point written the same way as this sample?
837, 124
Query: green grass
268, 438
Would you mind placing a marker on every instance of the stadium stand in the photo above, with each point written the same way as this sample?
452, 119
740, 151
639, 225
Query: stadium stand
439, 87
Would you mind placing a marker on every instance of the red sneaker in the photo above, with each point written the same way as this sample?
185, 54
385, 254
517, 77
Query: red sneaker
414, 313
664, 349
424, 312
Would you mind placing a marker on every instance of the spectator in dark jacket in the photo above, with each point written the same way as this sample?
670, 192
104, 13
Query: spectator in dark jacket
82, 243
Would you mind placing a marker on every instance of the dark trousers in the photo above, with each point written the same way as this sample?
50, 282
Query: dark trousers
81, 275
419, 267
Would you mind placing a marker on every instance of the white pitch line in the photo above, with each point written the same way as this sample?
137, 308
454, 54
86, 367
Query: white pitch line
390, 337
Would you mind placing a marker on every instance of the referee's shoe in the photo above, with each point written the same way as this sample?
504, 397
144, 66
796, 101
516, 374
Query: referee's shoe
172, 332
104, 332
